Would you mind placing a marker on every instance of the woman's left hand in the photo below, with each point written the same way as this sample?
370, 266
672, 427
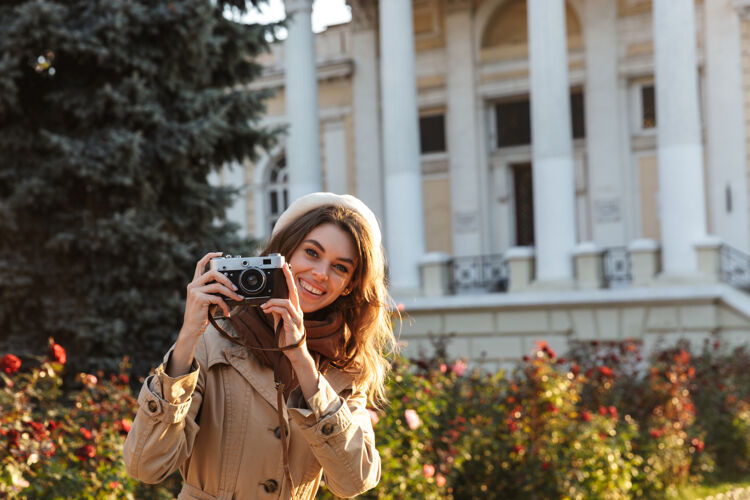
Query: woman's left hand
290, 311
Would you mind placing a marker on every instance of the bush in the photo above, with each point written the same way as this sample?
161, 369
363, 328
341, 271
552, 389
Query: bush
66, 444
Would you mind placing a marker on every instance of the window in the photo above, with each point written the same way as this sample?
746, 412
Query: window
648, 107
513, 120
277, 191
432, 134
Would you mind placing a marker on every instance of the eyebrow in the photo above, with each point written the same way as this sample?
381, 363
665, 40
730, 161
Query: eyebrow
317, 244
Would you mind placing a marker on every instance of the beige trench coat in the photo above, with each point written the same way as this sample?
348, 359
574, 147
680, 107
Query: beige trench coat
218, 425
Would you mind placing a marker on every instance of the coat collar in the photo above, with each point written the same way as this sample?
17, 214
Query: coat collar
220, 350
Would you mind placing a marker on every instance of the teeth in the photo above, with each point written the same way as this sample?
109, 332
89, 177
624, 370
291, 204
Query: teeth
310, 289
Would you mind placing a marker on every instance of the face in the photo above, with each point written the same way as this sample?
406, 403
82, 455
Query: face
323, 266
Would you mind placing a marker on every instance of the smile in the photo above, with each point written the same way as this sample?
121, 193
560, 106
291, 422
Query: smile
308, 287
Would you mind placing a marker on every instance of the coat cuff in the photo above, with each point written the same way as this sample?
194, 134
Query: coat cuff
165, 398
327, 416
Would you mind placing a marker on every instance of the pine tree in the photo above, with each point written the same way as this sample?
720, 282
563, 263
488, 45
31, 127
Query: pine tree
112, 114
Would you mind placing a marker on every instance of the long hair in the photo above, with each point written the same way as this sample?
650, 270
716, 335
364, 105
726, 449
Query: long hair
366, 308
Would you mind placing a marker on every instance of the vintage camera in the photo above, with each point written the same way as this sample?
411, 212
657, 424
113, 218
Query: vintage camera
257, 278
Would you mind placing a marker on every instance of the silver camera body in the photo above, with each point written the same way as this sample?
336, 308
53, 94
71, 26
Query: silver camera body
257, 278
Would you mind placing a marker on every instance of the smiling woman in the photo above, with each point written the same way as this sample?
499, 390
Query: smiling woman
279, 391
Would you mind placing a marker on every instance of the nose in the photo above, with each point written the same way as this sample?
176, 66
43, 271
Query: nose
319, 273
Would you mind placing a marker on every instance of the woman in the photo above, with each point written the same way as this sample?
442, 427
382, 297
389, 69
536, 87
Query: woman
214, 408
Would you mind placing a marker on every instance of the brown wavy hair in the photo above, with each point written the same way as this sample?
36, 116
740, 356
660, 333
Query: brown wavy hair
366, 309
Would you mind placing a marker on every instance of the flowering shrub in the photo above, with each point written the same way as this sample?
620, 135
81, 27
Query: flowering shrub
56, 445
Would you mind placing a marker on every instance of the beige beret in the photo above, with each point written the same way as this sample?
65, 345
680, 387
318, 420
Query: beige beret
304, 204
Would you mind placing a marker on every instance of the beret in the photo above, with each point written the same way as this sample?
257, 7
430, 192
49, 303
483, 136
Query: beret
304, 204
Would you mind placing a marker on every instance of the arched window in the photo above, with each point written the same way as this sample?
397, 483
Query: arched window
277, 191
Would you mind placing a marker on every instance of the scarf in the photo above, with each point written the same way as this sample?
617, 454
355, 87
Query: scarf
326, 339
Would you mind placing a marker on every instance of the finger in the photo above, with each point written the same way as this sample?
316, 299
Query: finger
219, 288
291, 285
215, 299
216, 276
283, 313
201, 265
287, 305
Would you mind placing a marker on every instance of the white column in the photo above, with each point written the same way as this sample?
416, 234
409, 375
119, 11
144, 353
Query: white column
725, 125
403, 178
680, 152
603, 123
551, 142
461, 128
334, 136
366, 112
301, 91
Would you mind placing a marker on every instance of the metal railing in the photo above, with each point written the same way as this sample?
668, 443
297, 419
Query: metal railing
617, 267
735, 267
481, 273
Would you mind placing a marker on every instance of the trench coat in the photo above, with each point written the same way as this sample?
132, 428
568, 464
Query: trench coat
219, 426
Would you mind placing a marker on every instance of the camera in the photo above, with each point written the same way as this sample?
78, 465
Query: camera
257, 278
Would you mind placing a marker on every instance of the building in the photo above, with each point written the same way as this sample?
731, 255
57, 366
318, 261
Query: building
543, 169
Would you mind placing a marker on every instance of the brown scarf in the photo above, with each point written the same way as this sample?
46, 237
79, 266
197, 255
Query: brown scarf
326, 339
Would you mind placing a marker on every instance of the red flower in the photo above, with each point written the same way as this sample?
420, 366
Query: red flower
545, 466
512, 425
48, 449
124, 378
586, 416
38, 430
126, 424
86, 433
606, 371
699, 445
52, 425
440, 480
85, 452
613, 411
654, 433
517, 448
57, 353
575, 370
10, 363
602, 411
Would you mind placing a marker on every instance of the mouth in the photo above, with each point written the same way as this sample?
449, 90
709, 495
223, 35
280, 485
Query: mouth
310, 288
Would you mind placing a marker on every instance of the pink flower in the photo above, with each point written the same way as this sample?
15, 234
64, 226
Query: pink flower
373, 416
88, 379
459, 367
412, 419
440, 480
443, 368
57, 353
428, 470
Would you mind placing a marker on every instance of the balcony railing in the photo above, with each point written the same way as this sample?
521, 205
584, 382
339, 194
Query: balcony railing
617, 267
735, 267
482, 273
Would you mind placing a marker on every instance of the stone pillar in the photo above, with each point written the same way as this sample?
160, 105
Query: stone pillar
403, 178
603, 124
589, 265
645, 261
520, 268
708, 251
551, 142
436, 274
725, 125
680, 152
301, 92
461, 130
366, 110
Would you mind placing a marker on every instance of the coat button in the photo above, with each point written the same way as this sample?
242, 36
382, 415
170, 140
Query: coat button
327, 429
152, 406
277, 432
270, 485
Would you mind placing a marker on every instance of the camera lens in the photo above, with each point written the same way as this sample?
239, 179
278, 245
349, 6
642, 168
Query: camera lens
252, 280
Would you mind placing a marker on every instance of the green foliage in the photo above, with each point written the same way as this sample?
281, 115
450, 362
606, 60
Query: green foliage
112, 115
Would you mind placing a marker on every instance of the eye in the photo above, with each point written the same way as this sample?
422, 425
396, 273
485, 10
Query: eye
311, 252
341, 268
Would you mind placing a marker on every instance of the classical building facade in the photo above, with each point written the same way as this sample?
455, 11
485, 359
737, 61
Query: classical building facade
542, 169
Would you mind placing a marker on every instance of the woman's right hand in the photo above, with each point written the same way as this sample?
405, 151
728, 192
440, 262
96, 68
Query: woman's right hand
205, 291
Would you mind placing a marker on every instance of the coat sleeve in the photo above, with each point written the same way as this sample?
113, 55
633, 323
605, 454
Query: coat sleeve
341, 437
164, 429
